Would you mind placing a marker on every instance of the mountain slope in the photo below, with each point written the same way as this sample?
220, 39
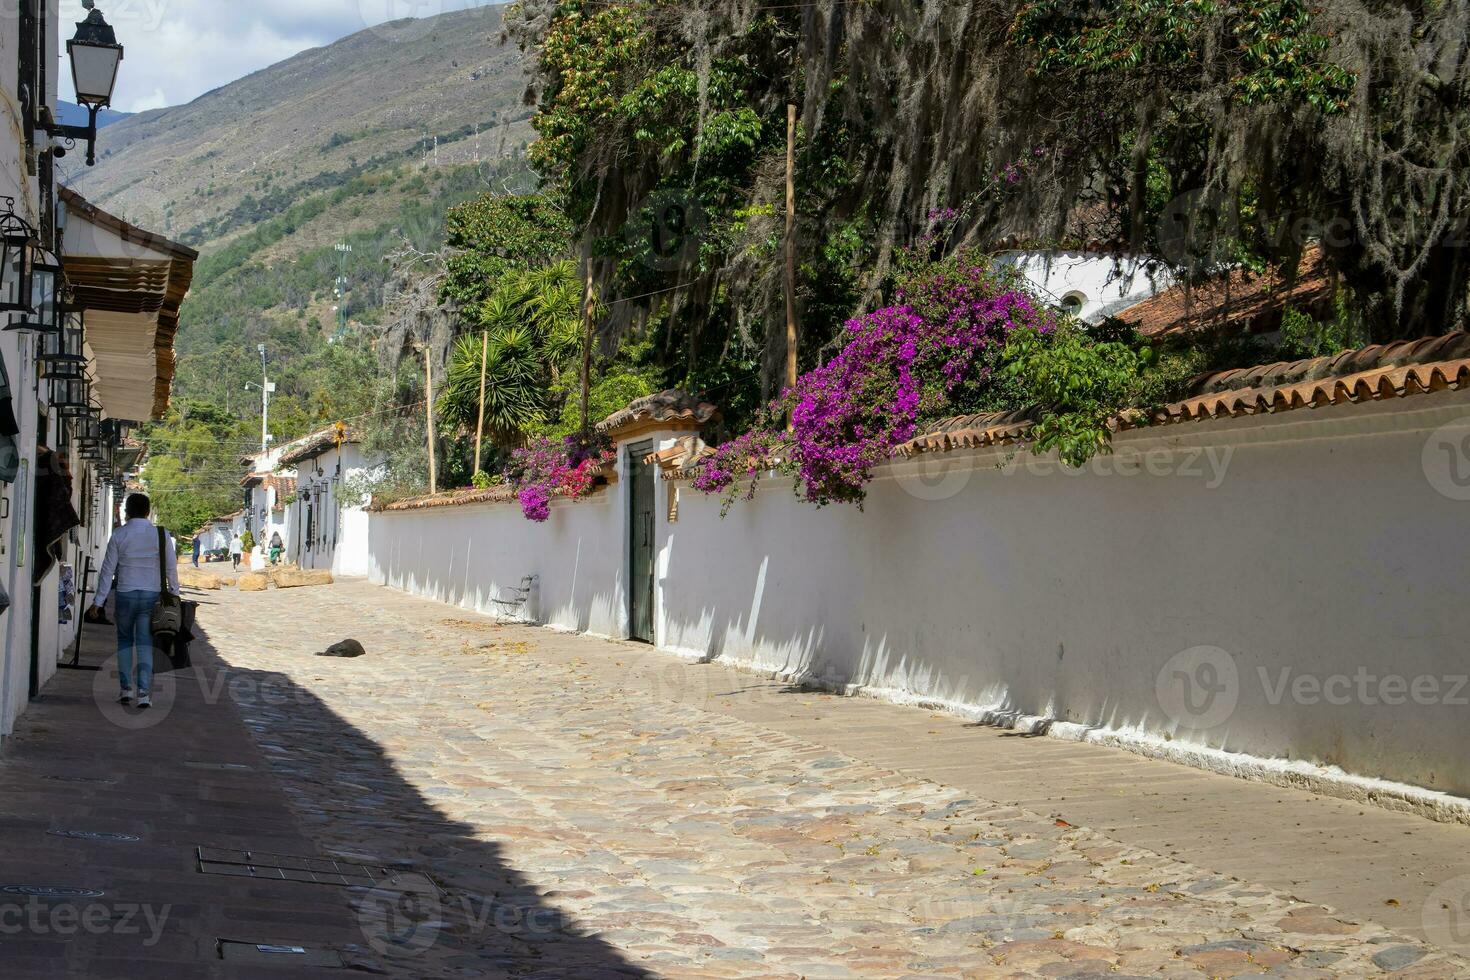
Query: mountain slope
448, 95
71, 114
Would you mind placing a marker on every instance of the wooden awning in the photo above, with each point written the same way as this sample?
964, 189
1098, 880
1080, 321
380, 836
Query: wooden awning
131, 283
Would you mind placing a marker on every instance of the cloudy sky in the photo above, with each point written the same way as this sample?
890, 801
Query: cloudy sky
176, 50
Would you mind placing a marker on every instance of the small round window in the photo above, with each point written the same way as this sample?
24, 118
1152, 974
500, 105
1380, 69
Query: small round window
1073, 302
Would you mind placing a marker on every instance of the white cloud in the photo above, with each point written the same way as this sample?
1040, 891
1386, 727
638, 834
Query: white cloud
157, 100
176, 50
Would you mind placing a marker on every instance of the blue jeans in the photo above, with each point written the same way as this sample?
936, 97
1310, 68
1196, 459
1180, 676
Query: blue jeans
135, 639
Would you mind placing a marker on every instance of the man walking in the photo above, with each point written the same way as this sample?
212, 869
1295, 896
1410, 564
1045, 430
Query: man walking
132, 564
197, 546
237, 548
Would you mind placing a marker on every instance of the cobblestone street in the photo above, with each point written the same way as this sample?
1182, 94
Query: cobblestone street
586, 808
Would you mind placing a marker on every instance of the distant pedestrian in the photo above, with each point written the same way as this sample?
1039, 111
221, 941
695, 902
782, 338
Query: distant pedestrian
132, 564
237, 548
198, 546
276, 548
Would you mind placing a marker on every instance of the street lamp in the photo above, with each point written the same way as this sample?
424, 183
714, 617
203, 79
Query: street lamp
95, 55
17, 238
47, 282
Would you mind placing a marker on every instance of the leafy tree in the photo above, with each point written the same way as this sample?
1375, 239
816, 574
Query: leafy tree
532, 322
495, 235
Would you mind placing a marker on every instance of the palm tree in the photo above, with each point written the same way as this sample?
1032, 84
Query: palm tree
530, 332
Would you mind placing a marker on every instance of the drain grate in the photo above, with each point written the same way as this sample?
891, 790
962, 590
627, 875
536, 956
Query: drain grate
94, 835
276, 955
50, 891
321, 871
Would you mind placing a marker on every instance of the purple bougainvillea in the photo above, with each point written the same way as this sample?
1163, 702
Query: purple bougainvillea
554, 467
900, 364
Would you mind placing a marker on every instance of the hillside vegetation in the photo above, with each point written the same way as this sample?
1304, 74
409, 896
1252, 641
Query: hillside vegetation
366, 142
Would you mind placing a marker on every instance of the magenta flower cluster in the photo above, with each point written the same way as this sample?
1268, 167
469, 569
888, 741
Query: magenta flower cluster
901, 364
550, 467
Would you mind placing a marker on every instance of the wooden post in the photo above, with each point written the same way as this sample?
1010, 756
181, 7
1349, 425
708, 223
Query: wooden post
790, 245
429, 409
589, 307
480, 419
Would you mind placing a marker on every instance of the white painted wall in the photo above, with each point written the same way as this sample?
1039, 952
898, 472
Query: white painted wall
1105, 284
336, 537
18, 351
1312, 542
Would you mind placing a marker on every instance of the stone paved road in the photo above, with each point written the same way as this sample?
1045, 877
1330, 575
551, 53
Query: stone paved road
566, 817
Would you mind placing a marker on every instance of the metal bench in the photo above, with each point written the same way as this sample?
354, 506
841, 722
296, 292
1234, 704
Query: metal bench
510, 604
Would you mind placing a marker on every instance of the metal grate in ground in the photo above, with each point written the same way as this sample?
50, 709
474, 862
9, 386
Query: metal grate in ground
320, 871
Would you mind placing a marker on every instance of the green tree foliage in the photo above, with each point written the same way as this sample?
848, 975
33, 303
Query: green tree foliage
532, 322
493, 235
193, 468
1200, 131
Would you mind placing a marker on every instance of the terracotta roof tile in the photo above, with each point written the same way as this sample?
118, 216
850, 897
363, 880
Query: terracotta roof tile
1241, 300
311, 446
672, 406
971, 432
451, 498
1373, 373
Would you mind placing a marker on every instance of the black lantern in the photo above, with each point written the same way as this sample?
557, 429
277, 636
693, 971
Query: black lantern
47, 282
87, 431
89, 410
71, 395
17, 239
62, 351
95, 55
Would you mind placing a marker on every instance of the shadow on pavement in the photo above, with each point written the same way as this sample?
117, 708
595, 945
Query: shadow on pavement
103, 809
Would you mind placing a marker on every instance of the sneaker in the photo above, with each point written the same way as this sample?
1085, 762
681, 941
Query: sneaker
126, 698
144, 701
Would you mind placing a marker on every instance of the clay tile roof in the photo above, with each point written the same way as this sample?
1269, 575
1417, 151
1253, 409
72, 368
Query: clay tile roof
1396, 370
1373, 373
971, 432
283, 485
1240, 301
651, 411
451, 498
312, 446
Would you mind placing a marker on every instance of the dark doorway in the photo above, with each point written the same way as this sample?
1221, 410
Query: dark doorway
641, 492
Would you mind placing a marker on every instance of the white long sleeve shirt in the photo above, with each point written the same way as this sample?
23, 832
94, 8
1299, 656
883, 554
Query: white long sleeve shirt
131, 562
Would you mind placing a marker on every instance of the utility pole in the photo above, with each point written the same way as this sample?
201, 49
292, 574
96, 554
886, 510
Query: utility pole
480, 419
343, 250
790, 245
265, 401
589, 307
429, 409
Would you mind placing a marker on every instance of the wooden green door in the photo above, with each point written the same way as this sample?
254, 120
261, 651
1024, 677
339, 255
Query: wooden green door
641, 492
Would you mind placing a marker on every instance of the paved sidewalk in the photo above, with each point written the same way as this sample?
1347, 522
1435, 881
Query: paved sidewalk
133, 903
558, 806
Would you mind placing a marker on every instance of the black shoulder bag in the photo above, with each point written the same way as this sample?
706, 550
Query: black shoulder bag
168, 614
